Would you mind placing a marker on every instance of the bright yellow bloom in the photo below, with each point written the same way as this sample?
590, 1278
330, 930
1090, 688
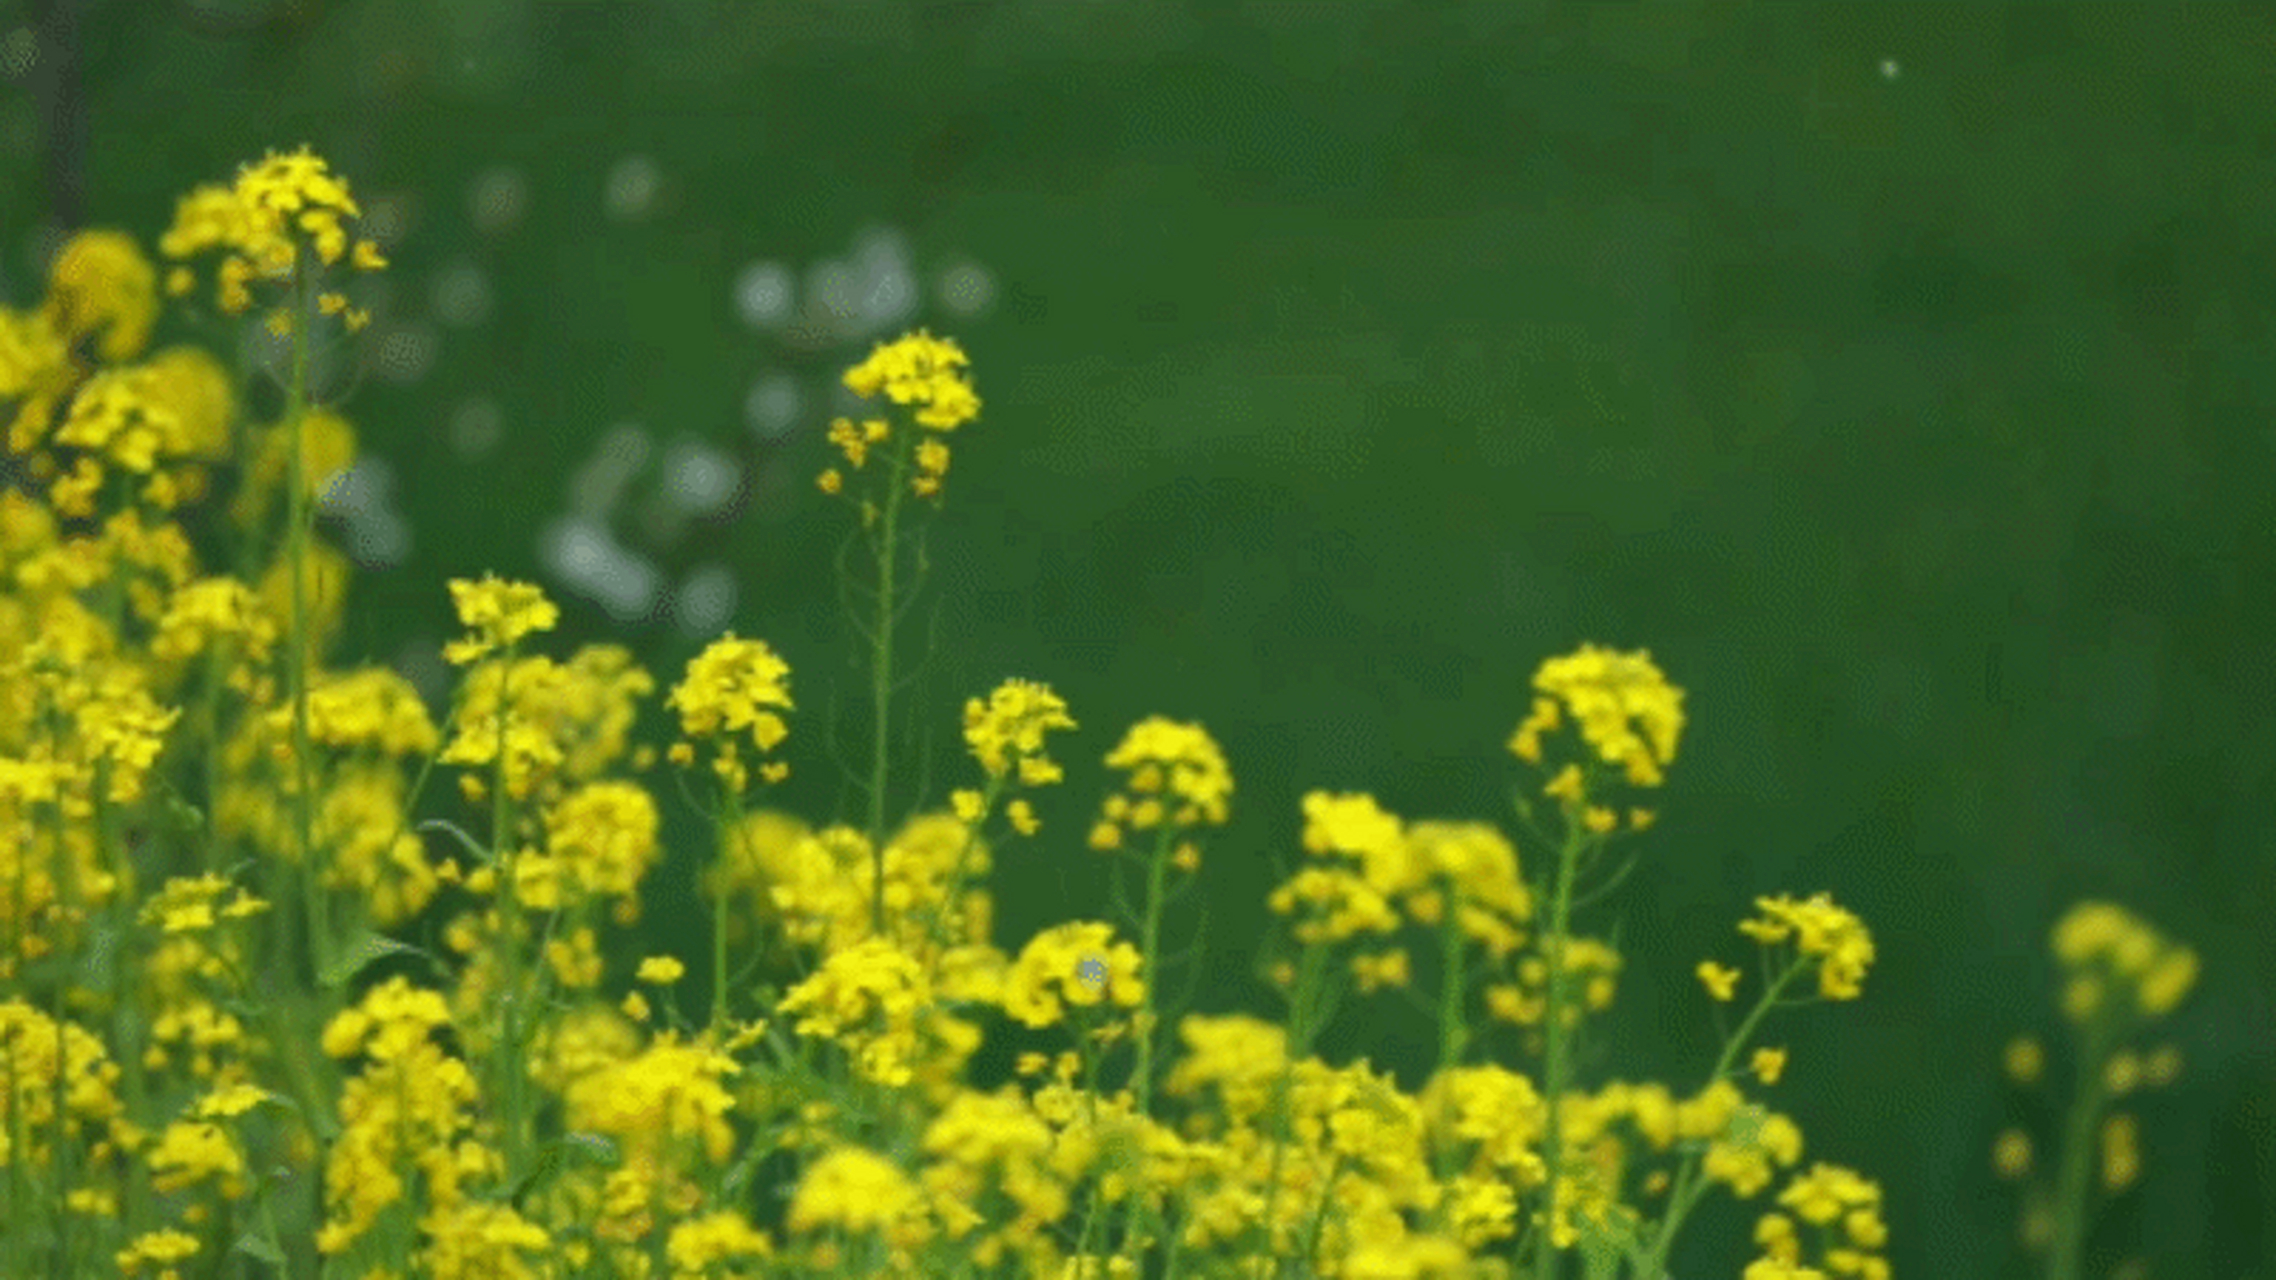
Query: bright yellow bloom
498, 613
922, 370
277, 209
663, 971
2106, 949
100, 282
1623, 707
2023, 1059
2011, 1154
1721, 981
733, 685
1177, 775
1819, 928
1769, 1064
852, 1188
1007, 730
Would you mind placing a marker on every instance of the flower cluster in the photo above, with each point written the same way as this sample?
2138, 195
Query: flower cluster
161, 422
1835, 940
1841, 1212
496, 614
2117, 966
1626, 712
1178, 781
918, 370
262, 224
734, 687
1005, 735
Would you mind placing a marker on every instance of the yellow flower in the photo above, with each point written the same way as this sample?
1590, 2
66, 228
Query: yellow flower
922, 370
1721, 981
1623, 707
2121, 1152
1769, 1064
101, 282
852, 1188
1007, 730
1177, 774
498, 613
2011, 1154
277, 210
733, 686
1838, 939
663, 971
2023, 1059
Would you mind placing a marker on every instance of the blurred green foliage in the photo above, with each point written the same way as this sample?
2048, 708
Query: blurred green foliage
1900, 375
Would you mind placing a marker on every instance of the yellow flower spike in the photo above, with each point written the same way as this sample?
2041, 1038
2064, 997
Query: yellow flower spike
2023, 1060
1008, 730
1721, 981
278, 209
1626, 712
498, 613
101, 283
1567, 786
2011, 1154
2121, 1152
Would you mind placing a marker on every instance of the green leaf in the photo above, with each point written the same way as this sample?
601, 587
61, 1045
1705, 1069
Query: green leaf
571, 1150
466, 841
361, 954
261, 1249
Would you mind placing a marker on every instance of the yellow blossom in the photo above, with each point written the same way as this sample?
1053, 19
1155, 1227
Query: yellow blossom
498, 614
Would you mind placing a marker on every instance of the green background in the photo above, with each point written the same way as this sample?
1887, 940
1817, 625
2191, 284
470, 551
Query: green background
1899, 375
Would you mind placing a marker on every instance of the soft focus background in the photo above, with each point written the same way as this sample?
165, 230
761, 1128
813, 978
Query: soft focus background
1900, 375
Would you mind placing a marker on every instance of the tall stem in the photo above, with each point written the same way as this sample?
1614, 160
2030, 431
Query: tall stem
732, 821
296, 542
509, 912
881, 675
1142, 1080
1555, 1068
2071, 1217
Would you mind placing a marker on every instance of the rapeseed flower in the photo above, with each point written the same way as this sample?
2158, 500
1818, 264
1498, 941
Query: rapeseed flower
497, 615
100, 285
1836, 939
734, 686
278, 209
922, 370
1178, 777
1006, 732
1624, 709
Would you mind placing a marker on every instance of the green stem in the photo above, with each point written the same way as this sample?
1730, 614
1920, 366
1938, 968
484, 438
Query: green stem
1142, 1072
1142, 1080
1303, 1024
881, 674
296, 534
1453, 1032
1686, 1193
733, 823
2071, 1218
1555, 1068
509, 914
